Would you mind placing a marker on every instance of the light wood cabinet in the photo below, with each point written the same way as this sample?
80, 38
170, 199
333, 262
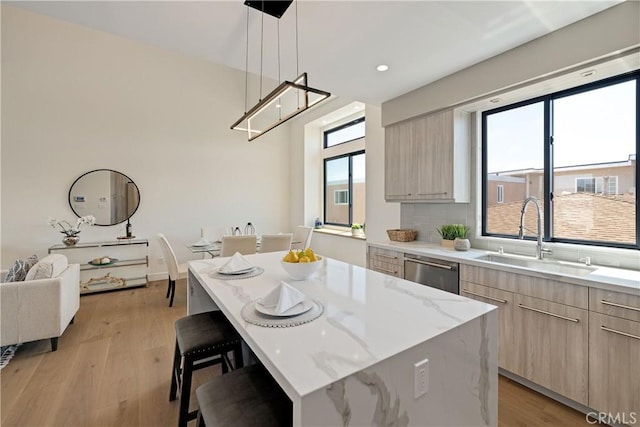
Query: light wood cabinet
386, 261
505, 302
545, 327
551, 346
427, 159
614, 367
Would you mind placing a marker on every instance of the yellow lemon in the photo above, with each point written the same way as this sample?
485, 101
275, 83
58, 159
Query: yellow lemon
304, 259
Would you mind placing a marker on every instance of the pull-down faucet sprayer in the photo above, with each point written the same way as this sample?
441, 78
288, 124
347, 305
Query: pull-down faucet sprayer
539, 249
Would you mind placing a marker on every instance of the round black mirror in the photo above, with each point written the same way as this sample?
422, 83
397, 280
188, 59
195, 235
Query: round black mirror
110, 196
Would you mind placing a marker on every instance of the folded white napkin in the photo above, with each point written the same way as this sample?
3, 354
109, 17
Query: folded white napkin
202, 242
235, 264
282, 298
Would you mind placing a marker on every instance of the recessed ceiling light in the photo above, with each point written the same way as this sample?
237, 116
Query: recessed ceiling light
588, 73
494, 100
382, 67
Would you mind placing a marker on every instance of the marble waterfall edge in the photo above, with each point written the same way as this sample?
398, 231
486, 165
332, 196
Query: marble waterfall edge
463, 384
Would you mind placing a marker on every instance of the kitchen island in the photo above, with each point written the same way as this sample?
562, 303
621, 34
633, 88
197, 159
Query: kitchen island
354, 365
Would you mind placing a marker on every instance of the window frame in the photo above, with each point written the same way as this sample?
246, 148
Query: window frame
548, 166
326, 133
350, 156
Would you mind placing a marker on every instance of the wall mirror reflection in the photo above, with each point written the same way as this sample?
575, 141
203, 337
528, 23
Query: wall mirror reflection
110, 196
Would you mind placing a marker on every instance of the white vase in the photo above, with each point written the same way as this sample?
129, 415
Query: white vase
461, 244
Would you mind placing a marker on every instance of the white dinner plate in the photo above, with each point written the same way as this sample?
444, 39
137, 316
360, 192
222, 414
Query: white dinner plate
301, 307
233, 273
201, 244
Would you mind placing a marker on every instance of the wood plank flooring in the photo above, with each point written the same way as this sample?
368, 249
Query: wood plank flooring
113, 365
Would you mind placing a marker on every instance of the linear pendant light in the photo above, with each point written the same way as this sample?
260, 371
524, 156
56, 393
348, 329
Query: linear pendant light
286, 101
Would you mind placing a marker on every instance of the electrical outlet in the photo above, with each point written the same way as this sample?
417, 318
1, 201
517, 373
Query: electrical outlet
421, 378
160, 261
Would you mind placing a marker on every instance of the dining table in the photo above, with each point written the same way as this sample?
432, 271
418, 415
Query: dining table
372, 350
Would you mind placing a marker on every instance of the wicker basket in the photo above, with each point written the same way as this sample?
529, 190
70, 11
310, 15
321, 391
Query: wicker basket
402, 235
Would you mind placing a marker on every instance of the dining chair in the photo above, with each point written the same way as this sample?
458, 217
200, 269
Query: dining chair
302, 237
210, 233
246, 245
275, 242
176, 271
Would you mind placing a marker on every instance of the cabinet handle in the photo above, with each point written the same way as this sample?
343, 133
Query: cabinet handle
384, 270
604, 328
615, 304
571, 319
433, 194
386, 256
501, 301
399, 195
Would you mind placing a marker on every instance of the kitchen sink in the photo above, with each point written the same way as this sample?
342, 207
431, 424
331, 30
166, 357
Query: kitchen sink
544, 265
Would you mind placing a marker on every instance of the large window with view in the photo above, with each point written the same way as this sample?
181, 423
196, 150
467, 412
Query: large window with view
575, 151
344, 174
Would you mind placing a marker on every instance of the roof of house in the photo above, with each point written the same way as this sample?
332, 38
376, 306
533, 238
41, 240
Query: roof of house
581, 216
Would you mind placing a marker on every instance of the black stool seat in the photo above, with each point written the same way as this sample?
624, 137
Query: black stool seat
245, 397
202, 340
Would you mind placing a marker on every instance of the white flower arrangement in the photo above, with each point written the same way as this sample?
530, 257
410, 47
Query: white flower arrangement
67, 228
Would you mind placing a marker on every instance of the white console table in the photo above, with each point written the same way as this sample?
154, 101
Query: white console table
130, 269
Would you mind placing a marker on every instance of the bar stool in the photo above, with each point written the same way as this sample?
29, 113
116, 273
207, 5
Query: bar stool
244, 397
202, 340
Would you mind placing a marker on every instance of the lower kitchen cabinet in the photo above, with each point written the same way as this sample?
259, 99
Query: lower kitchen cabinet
386, 261
551, 346
614, 367
504, 301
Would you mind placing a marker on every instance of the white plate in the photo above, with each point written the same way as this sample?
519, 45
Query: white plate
201, 244
301, 307
230, 273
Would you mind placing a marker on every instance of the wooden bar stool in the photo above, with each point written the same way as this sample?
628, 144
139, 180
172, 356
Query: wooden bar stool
245, 397
202, 340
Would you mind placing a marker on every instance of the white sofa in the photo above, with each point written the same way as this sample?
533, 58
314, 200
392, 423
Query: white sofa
40, 308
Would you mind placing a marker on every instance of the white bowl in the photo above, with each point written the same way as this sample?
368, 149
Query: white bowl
301, 270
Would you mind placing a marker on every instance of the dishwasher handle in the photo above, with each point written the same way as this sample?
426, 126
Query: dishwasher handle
432, 264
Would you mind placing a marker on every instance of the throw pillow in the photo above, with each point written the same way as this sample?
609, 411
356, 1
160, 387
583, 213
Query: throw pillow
48, 267
18, 271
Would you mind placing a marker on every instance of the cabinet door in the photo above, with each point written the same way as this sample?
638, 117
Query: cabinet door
399, 162
434, 156
614, 366
504, 301
386, 261
550, 341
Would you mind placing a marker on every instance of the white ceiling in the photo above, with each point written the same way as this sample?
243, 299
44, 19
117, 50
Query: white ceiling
340, 42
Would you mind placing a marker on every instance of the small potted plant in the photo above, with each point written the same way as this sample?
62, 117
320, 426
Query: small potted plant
357, 230
451, 233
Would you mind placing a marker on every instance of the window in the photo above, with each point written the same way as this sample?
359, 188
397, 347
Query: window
575, 151
341, 197
344, 133
344, 173
500, 195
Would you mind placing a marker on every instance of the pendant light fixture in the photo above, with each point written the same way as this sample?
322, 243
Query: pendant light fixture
289, 98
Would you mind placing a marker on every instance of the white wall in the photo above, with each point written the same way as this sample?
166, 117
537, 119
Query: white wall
76, 99
611, 31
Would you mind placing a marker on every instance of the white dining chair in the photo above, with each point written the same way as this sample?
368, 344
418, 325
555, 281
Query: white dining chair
302, 237
246, 245
275, 242
210, 233
176, 271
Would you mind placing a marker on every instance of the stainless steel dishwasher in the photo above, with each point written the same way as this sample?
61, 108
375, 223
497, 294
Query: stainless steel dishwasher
432, 272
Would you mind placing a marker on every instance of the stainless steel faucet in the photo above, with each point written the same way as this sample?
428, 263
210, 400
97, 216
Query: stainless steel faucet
539, 249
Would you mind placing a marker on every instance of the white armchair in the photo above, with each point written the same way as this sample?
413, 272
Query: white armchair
40, 308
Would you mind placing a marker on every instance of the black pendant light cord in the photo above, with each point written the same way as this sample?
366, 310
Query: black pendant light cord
246, 68
297, 51
261, 48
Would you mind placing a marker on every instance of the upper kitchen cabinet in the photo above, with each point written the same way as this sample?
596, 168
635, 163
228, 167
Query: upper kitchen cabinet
427, 159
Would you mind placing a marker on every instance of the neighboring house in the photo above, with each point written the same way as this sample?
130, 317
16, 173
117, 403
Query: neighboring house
337, 203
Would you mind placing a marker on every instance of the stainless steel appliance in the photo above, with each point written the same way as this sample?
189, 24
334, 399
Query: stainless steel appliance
432, 272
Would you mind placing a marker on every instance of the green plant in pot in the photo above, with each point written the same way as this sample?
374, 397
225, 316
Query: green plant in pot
357, 229
451, 232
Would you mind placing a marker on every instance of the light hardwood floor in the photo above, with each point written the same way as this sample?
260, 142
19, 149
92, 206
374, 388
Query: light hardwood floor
113, 365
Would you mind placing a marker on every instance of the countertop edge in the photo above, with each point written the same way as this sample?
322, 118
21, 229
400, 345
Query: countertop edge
603, 278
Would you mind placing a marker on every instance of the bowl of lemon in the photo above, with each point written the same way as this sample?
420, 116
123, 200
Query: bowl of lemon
300, 264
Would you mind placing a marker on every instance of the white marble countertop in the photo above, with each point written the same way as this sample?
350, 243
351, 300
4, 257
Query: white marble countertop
368, 318
614, 279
